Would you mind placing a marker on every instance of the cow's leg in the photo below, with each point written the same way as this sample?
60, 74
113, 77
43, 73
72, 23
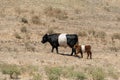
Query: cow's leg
57, 50
73, 50
52, 49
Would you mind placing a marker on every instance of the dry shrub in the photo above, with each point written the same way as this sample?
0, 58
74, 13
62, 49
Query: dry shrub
37, 77
23, 29
24, 20
77, 11
82, 34
118, 18
17, 35
70, 73
2, 12
97, 73
116, 36
20, 11
100, 34
97, 34
114, 48
12, 70
55, 12
29, 47
53, 73
107, 8
50, 31
91, 32
36, 20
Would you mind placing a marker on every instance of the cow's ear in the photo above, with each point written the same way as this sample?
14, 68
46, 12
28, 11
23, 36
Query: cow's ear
46, 34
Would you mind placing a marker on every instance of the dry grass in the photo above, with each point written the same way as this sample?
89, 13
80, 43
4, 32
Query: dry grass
10, 70
55, 12
50, 31
17, 35
82, 34
23, 29
35, 20
24, 22
116, 36
29, 47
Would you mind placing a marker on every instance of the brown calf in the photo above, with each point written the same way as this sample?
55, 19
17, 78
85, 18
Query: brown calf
82, 49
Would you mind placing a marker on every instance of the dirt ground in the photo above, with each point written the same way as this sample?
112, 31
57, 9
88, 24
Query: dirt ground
24, 22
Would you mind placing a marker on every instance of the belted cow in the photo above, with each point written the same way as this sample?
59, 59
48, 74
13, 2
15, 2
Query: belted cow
63, 40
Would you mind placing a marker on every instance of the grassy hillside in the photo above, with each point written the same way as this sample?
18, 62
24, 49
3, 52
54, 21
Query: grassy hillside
24, 22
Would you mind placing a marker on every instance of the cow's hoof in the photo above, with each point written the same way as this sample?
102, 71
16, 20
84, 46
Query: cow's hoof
71, 54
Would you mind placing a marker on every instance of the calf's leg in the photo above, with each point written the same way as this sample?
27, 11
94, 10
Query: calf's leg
81, 54
77, 52
90, 55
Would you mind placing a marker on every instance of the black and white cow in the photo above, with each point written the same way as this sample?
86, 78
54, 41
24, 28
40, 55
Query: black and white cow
63, 40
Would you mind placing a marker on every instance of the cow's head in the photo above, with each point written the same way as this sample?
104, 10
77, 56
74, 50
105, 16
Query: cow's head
45, 38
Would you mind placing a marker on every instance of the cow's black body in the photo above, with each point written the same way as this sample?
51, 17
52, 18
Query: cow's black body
72, 39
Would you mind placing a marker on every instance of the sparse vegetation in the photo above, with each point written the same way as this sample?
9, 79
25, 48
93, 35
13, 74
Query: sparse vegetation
50, 31
92, 32
30, 69
100, 34
29, 47
77, 11
53, 73
82, 33
14, 70
97, 34
114, 48
37, 77
116, 36
107, 8
98, 74
36, 20
11, 70
24, 22
55, 12
17, 35
69, 73
118, 18
24, 29
80, 76
112, 73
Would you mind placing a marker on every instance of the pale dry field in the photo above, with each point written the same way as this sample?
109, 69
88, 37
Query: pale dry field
24, 22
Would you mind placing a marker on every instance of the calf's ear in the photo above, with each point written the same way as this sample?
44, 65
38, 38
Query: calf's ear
75, 46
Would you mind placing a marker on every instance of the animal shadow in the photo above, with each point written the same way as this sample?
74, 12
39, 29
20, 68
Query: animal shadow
69, 55
64, 54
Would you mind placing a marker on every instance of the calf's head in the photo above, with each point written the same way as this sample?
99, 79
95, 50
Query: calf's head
45, 38
76, 46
